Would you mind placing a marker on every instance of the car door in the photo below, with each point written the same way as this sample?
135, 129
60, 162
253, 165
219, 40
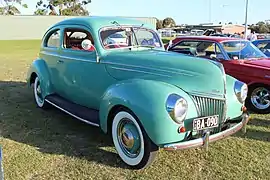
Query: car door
50, 53
84, 79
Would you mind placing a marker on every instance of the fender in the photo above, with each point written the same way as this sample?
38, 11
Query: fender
234, 108
40, 67
147, 99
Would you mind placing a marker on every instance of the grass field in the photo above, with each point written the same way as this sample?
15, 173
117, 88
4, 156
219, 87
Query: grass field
40, 144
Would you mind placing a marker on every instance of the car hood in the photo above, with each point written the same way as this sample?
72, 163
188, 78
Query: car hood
262, 62
193, 75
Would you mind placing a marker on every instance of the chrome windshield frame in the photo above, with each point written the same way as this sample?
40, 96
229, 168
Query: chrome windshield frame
132, 27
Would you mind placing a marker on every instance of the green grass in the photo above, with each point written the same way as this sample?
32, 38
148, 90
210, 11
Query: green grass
40, 144
165, 40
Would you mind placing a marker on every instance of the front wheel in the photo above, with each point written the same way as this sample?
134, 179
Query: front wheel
131, 141
37, 90
258, 99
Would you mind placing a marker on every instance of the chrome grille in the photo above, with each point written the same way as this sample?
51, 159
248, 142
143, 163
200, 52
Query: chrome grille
209, 106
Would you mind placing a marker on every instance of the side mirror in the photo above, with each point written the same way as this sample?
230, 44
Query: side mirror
88, 46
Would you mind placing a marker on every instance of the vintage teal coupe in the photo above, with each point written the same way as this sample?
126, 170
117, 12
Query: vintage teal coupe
114, 73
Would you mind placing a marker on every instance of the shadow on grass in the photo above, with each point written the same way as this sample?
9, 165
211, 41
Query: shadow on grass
256, 133
254, 130
51, 131
259, 122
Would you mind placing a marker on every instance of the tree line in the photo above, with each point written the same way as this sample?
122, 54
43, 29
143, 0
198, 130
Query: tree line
66, 7
165, 23
261, 27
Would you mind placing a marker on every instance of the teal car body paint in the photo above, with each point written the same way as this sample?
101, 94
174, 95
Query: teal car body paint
114, 73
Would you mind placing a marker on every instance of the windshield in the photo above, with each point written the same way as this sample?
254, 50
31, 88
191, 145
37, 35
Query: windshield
241, 50
121, 37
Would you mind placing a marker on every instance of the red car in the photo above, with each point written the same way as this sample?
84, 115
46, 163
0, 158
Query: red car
240, 58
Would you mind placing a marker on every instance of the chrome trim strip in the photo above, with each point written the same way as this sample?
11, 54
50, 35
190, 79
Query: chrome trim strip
196, 105
81, 119
133, 70
77, 59
120, 64
150, 68
212, 138
208, 95
66, 57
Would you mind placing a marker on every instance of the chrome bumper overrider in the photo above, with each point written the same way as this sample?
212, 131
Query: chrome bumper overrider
207, 138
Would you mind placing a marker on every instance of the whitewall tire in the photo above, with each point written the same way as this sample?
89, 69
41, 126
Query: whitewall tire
40, 101
131, 141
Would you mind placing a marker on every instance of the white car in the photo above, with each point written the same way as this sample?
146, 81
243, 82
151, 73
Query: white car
117, 38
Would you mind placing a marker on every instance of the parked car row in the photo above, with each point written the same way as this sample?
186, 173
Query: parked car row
240, 58
145, 97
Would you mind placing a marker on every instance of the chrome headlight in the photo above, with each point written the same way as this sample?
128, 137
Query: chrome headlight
240, 90
177, 107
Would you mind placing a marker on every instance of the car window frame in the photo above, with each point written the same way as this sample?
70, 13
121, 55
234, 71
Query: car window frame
126, 26
48, 35
226, 57
77, 27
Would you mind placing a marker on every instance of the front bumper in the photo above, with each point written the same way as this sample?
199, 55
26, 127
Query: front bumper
207, 138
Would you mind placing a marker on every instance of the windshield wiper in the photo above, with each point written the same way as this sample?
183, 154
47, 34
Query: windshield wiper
117, 24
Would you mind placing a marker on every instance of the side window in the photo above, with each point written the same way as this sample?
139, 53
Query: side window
264, 46
53, 40
213, 51
73, 39
203, 49
147, 37
186, 47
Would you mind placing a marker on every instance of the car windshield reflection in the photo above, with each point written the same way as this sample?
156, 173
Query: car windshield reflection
242, 50
126, 37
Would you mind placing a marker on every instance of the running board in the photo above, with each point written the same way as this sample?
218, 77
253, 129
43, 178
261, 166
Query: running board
87, 115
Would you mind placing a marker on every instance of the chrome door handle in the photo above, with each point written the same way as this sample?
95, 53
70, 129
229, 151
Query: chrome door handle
60, 61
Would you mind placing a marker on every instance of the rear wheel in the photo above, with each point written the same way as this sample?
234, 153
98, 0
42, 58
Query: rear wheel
37, 90
258, 99
131, 141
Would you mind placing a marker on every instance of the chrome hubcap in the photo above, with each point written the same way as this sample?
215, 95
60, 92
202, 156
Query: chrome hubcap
38, 92
260, 98
128, 138
38, 89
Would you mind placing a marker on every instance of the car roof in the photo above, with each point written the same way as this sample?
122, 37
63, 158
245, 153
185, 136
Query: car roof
260, 40
209, 38
96, 22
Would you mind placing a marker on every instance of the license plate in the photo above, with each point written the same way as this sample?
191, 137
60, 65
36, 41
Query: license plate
205, 122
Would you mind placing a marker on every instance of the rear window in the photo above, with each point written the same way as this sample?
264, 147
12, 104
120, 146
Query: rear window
53, 39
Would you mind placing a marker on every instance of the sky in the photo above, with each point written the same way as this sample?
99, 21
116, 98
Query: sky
182, 11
